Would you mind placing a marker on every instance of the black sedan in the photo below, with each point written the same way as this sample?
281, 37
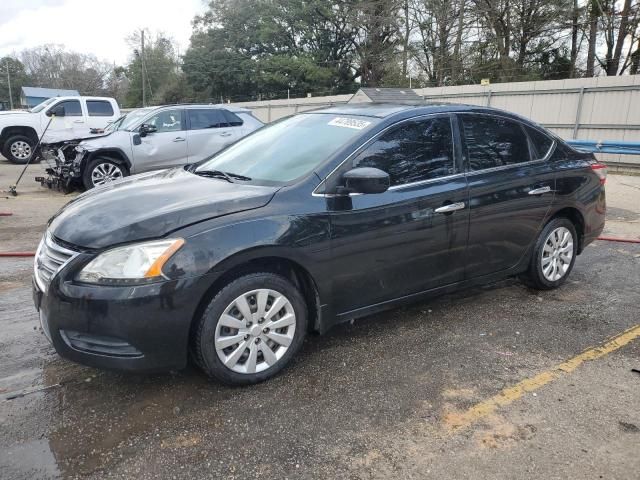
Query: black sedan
313, 220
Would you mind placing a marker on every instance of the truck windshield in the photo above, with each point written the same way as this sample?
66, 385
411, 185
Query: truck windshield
287, 149
42, 105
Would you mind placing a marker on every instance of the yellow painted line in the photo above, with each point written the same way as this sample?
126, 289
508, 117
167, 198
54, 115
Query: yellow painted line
509, 395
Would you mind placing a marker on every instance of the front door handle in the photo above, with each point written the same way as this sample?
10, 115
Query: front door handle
78, 121
225, 134
452, 207
178, 139
540, 191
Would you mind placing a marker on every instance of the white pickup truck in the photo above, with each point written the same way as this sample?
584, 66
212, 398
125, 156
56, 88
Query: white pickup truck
71, 117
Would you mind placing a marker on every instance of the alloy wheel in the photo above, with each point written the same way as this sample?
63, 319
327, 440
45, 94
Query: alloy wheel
557, 254
20, 150
255, 331
105, 173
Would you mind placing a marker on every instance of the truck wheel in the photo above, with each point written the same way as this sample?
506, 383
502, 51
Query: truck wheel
18, 149
102, 170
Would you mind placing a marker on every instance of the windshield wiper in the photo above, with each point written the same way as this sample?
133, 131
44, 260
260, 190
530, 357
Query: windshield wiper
213, 174
228, 176
239, 177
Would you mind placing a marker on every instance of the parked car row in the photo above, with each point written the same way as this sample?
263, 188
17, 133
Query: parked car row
151, 139
91, 143
313, 220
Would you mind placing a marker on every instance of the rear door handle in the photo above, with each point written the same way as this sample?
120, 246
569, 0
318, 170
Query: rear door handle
540, 191
178, 139
452, 207
225, 134
78, 121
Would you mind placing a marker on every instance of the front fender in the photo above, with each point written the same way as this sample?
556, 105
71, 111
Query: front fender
302, 240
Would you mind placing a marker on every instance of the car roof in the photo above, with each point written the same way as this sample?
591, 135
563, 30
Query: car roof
226, 106
384, 110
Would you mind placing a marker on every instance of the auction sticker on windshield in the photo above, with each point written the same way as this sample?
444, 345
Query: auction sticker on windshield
349, 123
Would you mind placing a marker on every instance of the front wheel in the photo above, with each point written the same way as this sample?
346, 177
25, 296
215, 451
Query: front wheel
18, 149
554, 255
102, 170
251, 329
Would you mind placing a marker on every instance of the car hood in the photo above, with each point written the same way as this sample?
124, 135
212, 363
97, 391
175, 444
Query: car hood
150, 206
12, 115
104, 140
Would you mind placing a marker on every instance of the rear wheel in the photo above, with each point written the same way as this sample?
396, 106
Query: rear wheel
554, 255
251, 329
102, 170
18, 149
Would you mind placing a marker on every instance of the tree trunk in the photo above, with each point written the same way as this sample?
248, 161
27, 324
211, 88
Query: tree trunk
613, 63
457, 71
594, 13
635, 61
407, 32
574, 39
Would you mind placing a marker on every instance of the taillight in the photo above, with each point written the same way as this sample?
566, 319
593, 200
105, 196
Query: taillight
600, 169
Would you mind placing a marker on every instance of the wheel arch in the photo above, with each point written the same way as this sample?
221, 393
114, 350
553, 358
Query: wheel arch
576, 217
115, 154
18, 130
285, 266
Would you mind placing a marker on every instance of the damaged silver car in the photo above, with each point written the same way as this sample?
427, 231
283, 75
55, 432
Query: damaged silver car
147, 139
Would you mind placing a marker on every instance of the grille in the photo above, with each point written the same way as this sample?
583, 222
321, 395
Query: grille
50, 258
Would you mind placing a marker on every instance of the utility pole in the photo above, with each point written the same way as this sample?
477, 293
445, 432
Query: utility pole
144, 79
9, 82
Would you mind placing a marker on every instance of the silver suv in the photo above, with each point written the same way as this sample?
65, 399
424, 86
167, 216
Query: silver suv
159, 137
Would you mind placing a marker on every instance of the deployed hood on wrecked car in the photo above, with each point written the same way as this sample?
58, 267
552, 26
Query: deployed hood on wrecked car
150, 206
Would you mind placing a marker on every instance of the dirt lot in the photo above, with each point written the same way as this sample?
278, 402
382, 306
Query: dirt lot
495, 382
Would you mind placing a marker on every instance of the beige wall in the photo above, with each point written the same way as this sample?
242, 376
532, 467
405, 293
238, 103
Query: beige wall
610, 106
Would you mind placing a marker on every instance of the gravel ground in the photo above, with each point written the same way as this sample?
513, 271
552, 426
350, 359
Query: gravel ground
369, 400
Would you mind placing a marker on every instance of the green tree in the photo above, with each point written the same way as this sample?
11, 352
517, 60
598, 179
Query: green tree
245, 49
17, 76
160, 64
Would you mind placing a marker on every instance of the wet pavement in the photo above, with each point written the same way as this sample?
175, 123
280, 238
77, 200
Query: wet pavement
368, 400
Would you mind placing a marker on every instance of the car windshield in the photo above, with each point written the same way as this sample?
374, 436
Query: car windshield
288, 149
128, 121
42, 105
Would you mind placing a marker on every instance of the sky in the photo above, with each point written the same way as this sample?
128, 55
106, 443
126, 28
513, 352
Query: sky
99, 27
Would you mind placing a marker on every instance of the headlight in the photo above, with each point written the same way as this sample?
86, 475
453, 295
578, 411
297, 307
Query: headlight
131, 264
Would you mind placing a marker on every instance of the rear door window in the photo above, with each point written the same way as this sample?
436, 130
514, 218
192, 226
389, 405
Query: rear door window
414, 151
99, 108
202, 118
493, 142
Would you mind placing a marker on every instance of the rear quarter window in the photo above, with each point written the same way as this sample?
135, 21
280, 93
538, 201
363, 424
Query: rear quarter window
232, 119
542, 143
99, 108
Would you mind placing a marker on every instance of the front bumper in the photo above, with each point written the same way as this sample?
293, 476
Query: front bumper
139, 328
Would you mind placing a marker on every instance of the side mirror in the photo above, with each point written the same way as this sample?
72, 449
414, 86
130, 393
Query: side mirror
145, 129
58, 111
366, 180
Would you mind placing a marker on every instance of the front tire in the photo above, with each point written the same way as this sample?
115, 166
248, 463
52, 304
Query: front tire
101, 171
251, 329
554, 255
18, 149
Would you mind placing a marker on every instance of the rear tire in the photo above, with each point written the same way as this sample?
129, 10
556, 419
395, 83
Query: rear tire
18, 149
553, 256
251, 329
101, 171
